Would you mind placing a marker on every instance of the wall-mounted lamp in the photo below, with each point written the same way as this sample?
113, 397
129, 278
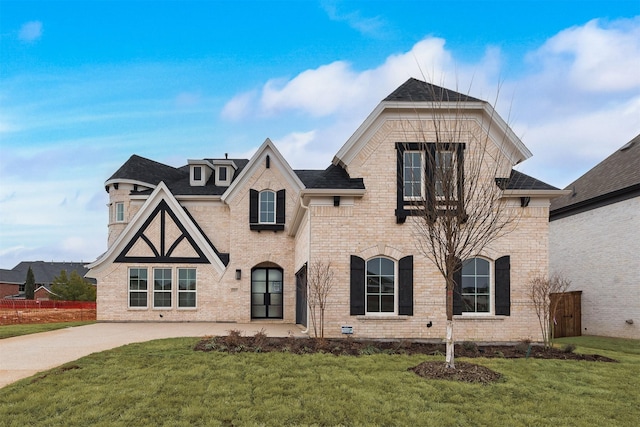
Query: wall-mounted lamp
336, 200
238, 274
524, 201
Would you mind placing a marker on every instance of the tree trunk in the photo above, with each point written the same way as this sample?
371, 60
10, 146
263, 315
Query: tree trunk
450, 344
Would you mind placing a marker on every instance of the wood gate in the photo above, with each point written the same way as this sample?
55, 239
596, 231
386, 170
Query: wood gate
568, 316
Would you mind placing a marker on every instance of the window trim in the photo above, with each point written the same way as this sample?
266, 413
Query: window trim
118, 212
194, 291
197, 173
395, 289
129, 290
423, 177
163, 291
260, 207
491, 294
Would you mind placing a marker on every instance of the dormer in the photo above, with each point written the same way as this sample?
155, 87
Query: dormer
199, 172
225, 169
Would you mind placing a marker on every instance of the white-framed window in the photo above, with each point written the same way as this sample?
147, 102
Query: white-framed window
380, 292
413, 175
267, 207
197, 173
119, 212
222, 173
445, 175
138, 287
476, 286
186, 288
162, 288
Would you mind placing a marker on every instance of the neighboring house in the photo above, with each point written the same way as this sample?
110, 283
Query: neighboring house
595, 243
229, 240
44, 273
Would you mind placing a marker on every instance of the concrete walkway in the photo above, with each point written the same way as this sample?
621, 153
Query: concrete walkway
24, 356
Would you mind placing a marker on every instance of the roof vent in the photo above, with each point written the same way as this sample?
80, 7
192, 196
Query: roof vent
628, 145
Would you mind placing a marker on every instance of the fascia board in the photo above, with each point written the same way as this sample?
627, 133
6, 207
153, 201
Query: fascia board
332, 192
128, 181
552, 194
277, 160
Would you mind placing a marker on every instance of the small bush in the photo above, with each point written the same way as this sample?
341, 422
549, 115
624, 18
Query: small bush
523, 346
234, 338
260, 338
470, 346
568, 348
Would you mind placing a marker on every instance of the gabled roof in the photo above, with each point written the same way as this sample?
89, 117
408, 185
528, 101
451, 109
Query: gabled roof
521, 181
162, 200
43, 272
414, 90
614, 179
333, 177
416, 99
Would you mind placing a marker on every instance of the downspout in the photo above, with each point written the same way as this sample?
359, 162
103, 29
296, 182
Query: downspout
306, 208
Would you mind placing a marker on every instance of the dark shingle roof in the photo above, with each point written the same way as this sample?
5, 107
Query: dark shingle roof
521, 181
144, 170
615, 176
414, 90
12, 276
333, 177
44, 272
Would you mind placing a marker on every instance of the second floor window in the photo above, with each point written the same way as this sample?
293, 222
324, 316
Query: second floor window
119, 212
267, 207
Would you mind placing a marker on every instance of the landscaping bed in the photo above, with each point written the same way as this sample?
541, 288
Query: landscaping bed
464, 371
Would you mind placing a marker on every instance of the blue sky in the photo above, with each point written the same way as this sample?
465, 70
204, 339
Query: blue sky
86, 84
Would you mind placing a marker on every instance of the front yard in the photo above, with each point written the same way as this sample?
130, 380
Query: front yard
166, 382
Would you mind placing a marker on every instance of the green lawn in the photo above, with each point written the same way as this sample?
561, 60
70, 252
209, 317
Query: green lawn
166, 383
8, 331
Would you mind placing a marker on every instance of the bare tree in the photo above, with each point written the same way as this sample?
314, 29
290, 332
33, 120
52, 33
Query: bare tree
540, 290
454, 177
320, 280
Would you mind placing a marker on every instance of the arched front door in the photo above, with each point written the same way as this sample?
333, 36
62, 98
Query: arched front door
266, 293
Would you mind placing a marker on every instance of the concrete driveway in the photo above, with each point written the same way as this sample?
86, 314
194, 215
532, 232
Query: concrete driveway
24, 356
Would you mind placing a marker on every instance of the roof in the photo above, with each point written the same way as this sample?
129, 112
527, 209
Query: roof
45, 272
521, 181
414, 90
615, 178
144, 170
333, 177
12, 277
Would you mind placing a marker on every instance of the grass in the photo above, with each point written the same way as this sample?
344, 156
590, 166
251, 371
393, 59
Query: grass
165, 382
8, 331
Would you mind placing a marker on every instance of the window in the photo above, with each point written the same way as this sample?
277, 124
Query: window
267, 210
476, 286
380, 291
222, 174
161, 287
119, 211
186, 287
413, 175
197, 173
138, 287
430, 177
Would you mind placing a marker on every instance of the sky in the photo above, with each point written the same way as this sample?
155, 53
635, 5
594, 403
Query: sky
86, 84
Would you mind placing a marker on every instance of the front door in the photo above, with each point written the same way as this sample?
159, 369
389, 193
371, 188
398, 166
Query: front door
301, 296
266, 293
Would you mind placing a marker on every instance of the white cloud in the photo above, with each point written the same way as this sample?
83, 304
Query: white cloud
30, 31
374, 27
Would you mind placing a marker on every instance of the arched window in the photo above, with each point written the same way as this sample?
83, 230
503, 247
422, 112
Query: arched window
381, 286
476, 286
267, 207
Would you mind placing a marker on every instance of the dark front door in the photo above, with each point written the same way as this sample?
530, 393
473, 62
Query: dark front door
266, 293
301, 296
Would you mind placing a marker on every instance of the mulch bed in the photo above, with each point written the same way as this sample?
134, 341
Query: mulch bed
464, 371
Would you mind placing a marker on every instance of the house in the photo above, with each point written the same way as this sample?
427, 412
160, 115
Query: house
12, 282
595, 242
230, 240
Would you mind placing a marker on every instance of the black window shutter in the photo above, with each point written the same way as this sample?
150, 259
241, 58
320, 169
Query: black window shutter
280, 205
357, 285
253, 206
457, 290
405, 286
503, 286
401, 214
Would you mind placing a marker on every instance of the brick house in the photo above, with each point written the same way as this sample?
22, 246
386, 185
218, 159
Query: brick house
229, 240
12, 282
595, 242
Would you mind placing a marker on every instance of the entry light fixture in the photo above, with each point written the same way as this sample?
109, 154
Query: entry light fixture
238, 274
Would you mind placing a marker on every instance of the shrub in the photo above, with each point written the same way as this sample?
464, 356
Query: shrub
568, 348
470, 346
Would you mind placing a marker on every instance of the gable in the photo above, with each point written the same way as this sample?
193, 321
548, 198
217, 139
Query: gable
162, 231
162, 239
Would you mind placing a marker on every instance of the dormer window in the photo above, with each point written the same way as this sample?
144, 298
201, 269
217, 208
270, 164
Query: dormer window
222, 173
197, 173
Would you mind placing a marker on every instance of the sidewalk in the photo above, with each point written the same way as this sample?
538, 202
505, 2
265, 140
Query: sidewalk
24, 356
